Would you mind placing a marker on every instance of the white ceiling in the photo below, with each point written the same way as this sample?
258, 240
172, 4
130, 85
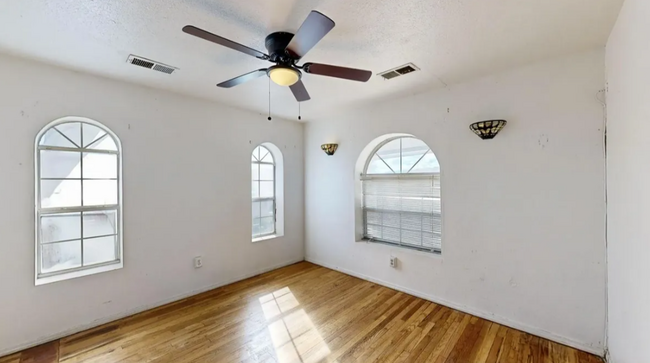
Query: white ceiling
450, 40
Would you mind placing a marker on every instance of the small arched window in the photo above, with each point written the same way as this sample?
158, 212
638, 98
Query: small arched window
401, 195
263, 193
78, 200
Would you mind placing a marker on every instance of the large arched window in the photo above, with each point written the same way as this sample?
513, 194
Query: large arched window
263, 193
78, 200
401, 195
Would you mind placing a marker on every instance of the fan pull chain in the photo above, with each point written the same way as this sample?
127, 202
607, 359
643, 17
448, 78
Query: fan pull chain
269, 100
299, 118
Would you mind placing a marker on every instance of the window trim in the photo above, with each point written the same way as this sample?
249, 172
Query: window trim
365, 176
41, 279
266, 236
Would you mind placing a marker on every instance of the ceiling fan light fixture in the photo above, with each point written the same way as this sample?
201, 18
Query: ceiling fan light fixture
284, 76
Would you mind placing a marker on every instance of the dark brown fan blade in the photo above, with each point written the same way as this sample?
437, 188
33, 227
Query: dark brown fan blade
312, 30
300, 92
338, 72
192, 30
243, 78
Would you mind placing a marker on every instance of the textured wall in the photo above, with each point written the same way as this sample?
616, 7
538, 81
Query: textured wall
628, 178
186, 193
523, 214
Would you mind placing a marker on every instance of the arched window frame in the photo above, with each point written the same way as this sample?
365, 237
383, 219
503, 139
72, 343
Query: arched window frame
118, 262
400, 177
278, 190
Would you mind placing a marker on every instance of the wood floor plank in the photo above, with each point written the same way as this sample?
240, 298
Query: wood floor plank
46, 353
302, 313
14, 358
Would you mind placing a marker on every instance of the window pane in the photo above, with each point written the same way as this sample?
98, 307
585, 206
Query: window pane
255, 189
428, 164
376, 166
72, 130
99, 223
54, 138
91, 133
107, 143
60, 164
60, 193
266, 189
99, 192
255, 171
256, 154
256, 227
413, 147
60, 256
268, 208
98, 250
266, 172
390, 151
412, 151
256, 209
60, 227
391, 154
267, 225
100, 166
266, 155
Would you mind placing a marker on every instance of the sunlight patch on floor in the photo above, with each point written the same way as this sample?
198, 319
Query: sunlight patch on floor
294, 336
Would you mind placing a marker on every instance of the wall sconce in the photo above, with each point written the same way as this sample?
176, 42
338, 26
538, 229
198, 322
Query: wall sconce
487, 129
329, 148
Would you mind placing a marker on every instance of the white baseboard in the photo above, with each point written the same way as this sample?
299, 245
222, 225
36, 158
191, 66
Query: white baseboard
140, 309
469, 310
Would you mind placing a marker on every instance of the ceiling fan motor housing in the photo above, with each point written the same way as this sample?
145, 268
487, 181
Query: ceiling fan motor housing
276, 43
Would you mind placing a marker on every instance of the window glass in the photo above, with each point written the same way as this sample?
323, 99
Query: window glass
78, 198
401, 195
263, 192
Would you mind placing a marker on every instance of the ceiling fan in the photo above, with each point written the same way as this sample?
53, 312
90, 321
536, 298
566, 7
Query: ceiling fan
285, 50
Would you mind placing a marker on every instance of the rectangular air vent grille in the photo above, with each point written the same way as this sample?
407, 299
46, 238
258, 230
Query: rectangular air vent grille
142, 63
391, 74
150, 64
164, 69
399, 71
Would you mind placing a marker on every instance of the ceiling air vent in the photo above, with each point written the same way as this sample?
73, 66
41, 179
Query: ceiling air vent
399, 71
150, 64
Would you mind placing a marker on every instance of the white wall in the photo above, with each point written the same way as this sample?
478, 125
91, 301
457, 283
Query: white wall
186, 193
628, 180
523, 214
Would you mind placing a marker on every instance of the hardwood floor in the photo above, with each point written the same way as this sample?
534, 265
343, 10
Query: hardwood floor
302, 313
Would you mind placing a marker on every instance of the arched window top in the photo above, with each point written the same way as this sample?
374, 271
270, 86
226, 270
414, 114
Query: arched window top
402, 155
262, 155
78, 133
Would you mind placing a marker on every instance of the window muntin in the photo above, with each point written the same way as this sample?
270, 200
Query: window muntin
78, 199
401, 195
263, 193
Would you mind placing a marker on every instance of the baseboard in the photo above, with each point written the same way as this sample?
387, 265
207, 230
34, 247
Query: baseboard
481, 314
141, 309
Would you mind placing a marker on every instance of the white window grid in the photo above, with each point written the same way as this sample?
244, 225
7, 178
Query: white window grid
263, 152
51, 211
436, 217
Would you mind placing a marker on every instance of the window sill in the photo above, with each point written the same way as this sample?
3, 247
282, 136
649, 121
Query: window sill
80, 273
265, 238
393, 247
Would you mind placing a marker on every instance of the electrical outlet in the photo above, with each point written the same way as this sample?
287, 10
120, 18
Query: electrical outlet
198, 262
393, 262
